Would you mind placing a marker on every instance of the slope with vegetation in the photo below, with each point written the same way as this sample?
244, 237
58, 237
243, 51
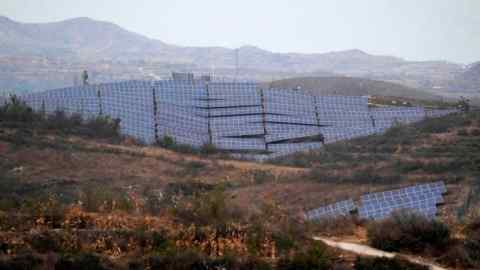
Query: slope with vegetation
74, 198
349, 86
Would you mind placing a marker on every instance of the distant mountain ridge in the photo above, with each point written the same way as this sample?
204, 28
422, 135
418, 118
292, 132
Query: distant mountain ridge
83, 40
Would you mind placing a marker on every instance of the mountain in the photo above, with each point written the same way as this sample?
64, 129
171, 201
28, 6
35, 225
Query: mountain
81, 37
102, 46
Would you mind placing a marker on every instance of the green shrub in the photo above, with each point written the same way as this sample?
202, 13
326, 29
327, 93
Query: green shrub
382, 263
315, 257
79, 262
16, 110
167, 142
408, 231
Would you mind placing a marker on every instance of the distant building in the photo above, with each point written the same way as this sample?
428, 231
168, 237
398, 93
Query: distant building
179, 76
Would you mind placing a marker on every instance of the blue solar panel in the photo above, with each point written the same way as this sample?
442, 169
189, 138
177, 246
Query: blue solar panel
281, 136
422, 199
309, 120
280, 149
342, 208
273, 128
239, 143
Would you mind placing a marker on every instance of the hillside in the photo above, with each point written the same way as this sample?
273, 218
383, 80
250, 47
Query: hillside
468, 80
72, 188
51, 54
348, 86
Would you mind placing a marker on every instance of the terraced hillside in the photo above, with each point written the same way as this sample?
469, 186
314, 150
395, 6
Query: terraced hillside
70, 196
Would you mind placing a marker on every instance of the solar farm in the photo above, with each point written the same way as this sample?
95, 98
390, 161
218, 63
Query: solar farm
237, 117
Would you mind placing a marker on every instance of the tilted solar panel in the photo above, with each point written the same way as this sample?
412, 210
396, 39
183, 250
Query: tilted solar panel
342, 208
422, 199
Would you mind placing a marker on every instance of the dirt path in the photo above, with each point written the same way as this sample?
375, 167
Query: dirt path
369, 251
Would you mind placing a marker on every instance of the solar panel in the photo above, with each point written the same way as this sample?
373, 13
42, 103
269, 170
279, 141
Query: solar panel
281, 136
422, 199
239, 143
342, 208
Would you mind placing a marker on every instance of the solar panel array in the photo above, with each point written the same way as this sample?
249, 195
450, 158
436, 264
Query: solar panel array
342, 208
181, 111
388, 116
132, 103
422, 199
238, 117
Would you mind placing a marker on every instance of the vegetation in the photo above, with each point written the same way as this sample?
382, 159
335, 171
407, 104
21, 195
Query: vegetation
190, 212
365, 263
17, 114
317, 256
170, 143
408, 231
352, 86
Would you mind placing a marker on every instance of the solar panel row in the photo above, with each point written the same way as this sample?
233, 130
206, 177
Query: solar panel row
233, 112
422, 199
342, 208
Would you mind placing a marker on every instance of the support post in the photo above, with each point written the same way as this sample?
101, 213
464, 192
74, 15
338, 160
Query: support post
264, 118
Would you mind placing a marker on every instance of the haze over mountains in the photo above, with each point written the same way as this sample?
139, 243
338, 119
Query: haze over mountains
39, 56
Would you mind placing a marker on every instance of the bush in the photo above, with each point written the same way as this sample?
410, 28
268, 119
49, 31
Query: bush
366, 263
102, 127
170, 143
457, 256
23, 262
315, 257
408, 231
212, 208
16, 110
167, 142
79, 262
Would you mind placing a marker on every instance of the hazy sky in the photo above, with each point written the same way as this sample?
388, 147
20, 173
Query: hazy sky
412, 29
